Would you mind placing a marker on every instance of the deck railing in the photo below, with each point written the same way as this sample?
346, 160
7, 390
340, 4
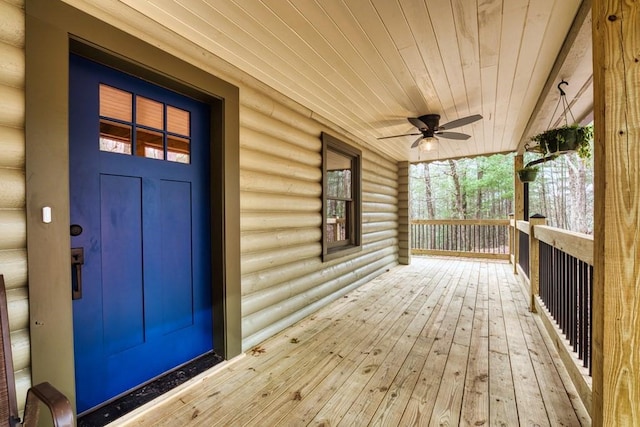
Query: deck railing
465, 237
557, 266
568, 300
523, 251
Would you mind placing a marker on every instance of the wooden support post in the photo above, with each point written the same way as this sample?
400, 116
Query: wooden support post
518, 196
616, 296
404, 214
534, 259
512, 234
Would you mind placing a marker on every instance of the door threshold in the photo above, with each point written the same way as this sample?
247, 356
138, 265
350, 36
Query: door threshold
144, 394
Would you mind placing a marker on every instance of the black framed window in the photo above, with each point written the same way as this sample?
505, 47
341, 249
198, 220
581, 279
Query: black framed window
341, 198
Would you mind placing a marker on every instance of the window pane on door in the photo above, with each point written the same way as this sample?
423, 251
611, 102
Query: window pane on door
159, 128
178, 149
149, 113
149, 144
178, 121
115, 137
115, 103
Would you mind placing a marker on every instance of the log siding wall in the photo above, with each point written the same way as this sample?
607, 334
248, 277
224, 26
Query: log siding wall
13, 255
283, 276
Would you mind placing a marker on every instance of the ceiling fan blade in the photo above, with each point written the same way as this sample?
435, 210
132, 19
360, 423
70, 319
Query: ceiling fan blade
396, 136
461, 122
416, 142
454, 135
417, 123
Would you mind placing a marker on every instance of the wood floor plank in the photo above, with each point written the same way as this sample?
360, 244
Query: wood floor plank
309, 330
333, 384
243, 402
531, 410
337, 408
444, 341
368, 343
502, 404
391, 408
389, 380
561, 401
420, 407
475, 401
446, 411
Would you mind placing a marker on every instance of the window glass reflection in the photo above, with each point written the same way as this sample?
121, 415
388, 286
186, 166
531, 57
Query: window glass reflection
115, 103
338, 175
149, 113
153, 134
149, 144
178, 121
178, 149
115, 137
337, 220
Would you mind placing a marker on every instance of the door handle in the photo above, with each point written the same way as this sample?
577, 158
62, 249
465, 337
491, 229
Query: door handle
77, 261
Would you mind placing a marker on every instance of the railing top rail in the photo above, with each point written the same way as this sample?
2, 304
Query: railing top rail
461, 221
523, 226
578, 245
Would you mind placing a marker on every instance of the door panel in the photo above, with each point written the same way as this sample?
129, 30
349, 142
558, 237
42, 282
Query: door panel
176, 255
121, 237
146, 306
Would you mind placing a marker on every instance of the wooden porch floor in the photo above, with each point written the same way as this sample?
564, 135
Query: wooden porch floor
445, 341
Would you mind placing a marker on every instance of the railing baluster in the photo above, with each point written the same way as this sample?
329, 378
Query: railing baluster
583, 311
590, 319
562, 303
572, 302
566, 288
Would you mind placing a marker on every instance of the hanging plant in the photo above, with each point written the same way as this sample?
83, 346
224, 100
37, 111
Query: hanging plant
528, 173
564, 139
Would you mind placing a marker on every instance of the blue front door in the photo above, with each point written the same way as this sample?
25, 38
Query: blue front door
140, 215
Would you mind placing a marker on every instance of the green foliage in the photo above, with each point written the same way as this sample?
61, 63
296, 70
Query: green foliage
565, 138
563, 192
486, 184
528, 174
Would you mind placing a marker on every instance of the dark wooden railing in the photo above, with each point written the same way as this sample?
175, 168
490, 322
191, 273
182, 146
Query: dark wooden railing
557, 267
469, 237
566, 284
566, 287
523, 247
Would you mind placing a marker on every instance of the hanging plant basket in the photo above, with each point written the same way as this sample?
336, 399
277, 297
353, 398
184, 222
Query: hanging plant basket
528, 174
563, 140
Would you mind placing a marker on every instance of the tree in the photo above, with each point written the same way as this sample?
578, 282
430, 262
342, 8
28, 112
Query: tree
481, 187
563, 192
459, 202
428, 193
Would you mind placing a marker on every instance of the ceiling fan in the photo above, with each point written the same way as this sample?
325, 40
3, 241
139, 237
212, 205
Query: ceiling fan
429, 127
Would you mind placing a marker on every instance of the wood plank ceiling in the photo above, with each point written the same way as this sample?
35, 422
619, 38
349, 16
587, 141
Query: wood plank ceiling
367, 65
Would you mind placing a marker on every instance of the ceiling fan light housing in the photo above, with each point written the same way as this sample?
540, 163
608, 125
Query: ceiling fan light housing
427, 144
